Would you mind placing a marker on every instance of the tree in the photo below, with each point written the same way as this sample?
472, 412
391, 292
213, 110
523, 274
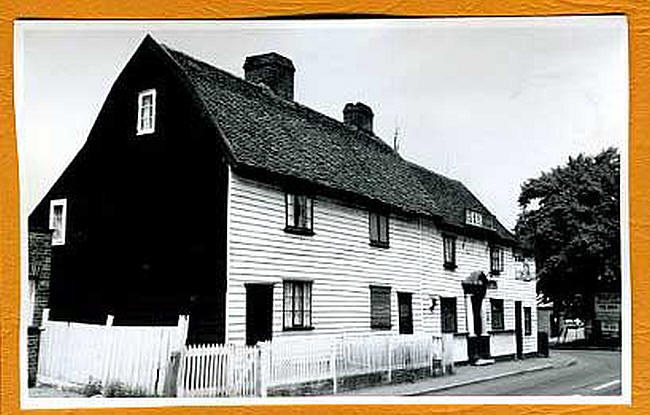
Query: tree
571, 219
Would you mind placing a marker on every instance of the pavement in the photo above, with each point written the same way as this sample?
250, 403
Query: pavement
46, 391
469, 375
596, 373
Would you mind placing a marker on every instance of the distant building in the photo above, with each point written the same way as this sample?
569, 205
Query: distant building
201, 193
606, 325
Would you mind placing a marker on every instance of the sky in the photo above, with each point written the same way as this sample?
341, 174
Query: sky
491, 102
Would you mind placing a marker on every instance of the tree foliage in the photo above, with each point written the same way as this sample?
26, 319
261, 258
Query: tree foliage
571, 219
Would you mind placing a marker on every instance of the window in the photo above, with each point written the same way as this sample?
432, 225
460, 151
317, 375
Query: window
378, 230
299, 214
146, 111
496, 260
58, 221
32, 301
449, 248
473, 217
297, 305
527, 321
496, 308
380, 307
517, 255
448, 315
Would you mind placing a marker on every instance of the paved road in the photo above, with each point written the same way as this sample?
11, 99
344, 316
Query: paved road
596, 373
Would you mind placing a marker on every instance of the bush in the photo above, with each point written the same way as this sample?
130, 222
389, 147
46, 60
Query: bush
92, 388
120, 390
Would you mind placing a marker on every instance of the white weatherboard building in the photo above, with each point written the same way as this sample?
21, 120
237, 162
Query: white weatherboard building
312, 227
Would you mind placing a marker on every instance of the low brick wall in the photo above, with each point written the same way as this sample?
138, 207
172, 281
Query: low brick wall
40, 251
325, 387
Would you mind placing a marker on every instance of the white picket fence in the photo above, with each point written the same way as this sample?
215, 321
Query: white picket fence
219, 370
136, 357
228, 370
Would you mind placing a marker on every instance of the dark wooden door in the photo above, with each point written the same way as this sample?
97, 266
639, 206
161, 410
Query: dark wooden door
404, 301
259, 313
518, 330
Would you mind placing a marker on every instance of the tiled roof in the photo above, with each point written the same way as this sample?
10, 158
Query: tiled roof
266, 132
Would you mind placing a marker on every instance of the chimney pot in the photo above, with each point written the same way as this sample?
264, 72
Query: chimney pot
272, 70
359, 115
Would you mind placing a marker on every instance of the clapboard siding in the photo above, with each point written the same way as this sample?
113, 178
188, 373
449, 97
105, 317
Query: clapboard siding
342, 265
337, 258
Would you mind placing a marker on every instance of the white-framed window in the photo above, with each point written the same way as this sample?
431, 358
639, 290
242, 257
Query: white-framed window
473, 217
297, 305
146, 111
32, 301
496, 260
378, 229
58, 213
299, 214
449, 251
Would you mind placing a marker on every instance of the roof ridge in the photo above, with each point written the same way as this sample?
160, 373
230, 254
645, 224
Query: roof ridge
428, 170
293, 105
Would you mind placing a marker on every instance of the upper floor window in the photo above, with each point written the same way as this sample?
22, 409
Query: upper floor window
146, 111
58, 221
449, 251
378, 230
297, 305
496, 260
299, 214
496, 308
473, 217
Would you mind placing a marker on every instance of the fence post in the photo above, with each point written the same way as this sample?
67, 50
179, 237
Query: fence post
333, 365
183, 326
180, 377
170, 383
109, 320
390, 360
263, 375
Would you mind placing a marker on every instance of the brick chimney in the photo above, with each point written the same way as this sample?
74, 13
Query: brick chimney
359, 115
272, 70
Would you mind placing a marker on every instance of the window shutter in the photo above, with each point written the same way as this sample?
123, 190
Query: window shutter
380, 307
448, 314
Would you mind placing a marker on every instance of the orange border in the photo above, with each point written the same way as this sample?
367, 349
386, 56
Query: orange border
638, 13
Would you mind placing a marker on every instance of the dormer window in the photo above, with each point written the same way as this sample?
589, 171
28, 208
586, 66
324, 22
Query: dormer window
299, 214
57, 221
378, 229
146, 111
473, 217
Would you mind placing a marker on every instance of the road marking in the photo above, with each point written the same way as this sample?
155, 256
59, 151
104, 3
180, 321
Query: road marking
607, 385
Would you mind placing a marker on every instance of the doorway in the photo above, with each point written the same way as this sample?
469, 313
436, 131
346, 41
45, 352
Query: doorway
518, 330
259, 313
404, 301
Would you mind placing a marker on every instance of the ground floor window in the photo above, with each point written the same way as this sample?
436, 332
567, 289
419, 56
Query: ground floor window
297, 304
448, 315
379, 307
527, 321
496, 306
